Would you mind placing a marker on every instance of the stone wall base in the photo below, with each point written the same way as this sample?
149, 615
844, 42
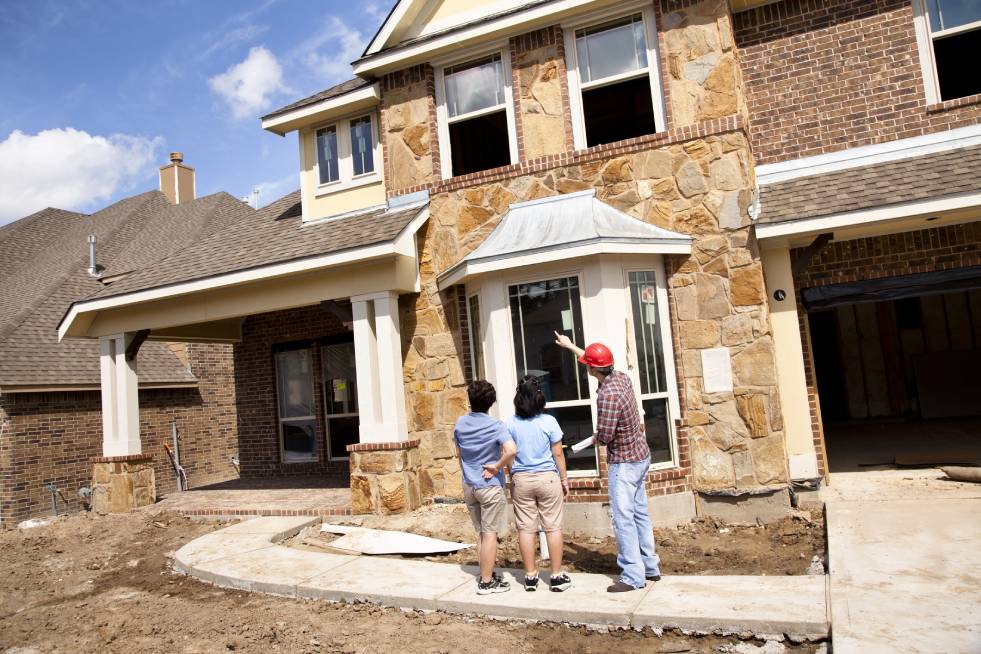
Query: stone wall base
385, 477
748, 509
121, 483
593, 518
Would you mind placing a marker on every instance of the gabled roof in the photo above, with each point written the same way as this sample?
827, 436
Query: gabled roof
563, 227
42, 269
333, 92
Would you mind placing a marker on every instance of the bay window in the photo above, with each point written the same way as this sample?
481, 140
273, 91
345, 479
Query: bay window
475, 115
614, 82
476, 347
297, 417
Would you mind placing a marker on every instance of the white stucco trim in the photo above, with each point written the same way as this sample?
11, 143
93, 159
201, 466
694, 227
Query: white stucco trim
867, 155
403, 244
833, 222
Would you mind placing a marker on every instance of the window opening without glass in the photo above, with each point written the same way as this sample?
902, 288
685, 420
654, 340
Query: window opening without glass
650, 363
340, 398
476, 112
476, 349
955, 34
297, 418
615, 81
327, 155
537, 310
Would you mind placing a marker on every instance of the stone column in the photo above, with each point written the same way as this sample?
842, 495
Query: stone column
121, 483
385, 477
791, 381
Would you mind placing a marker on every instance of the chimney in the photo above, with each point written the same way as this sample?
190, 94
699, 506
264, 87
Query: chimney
177, 180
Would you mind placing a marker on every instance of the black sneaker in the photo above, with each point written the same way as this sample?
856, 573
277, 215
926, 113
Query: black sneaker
653, 577
495, 585
531, 583
560, 582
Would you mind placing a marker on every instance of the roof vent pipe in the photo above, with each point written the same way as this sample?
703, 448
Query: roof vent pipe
93, 269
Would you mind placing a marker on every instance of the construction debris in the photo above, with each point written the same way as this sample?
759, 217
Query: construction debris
382, 541
963, 473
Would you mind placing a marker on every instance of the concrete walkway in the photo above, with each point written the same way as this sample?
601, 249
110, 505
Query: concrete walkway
247, 556
905, 563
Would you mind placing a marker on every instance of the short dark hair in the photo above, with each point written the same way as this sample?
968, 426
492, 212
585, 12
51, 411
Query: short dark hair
481, 394
529, 400
604, 371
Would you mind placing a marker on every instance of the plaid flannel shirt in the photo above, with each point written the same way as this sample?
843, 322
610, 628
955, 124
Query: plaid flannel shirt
618, 420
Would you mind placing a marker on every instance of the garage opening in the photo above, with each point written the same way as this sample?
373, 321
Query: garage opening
898, 369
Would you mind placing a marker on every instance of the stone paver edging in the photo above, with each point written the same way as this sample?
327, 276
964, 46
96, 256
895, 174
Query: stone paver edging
247, 556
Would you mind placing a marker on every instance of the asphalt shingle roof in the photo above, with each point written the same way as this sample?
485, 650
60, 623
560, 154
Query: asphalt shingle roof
42, 270
893, 182
333, 92
274, 234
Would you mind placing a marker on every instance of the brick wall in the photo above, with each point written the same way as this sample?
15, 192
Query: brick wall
907, 253
49, 437
826, 75
255, 389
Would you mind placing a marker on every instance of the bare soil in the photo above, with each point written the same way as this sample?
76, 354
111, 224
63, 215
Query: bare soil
704, 547
104, 584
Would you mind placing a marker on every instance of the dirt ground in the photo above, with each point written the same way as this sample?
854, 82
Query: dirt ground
104, 584
704, 547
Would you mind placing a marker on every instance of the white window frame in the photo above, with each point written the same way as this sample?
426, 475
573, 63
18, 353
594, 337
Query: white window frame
476, 340
328, 416
442, 115
925, 36
667, 351
576, 87
345, 162
315, 457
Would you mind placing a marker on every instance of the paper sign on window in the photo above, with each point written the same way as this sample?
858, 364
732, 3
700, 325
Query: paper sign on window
566, 320
340, 389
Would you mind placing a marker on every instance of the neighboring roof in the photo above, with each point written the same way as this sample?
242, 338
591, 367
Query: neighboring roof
275, 234
876, 185
327, 94
560, 227
42, 270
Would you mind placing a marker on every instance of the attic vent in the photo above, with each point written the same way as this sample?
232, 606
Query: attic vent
94, 270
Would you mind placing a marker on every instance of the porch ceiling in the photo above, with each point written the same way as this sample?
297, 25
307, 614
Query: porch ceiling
563, 227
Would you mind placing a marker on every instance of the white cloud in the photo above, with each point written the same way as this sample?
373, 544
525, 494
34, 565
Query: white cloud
69, 169
376, 11
232, 37
329, 54
249, 86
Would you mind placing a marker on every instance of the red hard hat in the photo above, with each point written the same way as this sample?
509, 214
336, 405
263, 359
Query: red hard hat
597, 355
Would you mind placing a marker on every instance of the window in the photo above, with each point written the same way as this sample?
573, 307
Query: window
537, 310
340, 398
615, 69
346, 152
476, 349
476, 115
297, 420
650, 364
954, 28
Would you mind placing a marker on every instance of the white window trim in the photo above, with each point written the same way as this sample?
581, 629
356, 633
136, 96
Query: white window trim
315, 457
924, 44
476, 340
667, 351
442, 115
345, 161
576, 87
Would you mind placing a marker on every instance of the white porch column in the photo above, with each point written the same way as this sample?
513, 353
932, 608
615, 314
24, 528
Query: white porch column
378, 356
120, 397
792, 383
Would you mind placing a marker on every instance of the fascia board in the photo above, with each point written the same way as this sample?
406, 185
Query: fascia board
832, 222
362, 98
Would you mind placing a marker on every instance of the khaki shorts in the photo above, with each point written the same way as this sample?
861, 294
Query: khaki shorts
488, 508
537, 498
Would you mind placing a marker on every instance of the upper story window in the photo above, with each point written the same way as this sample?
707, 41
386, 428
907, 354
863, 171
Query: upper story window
949, 39
613, 79
346, 151
476, 119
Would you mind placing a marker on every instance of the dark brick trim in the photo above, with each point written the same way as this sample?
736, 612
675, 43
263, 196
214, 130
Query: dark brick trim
383, 447
947, 105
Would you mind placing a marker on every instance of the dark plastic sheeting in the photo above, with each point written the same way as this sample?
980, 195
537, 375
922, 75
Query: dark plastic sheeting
892, 288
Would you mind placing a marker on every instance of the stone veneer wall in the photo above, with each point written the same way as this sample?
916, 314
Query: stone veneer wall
385, 477
121, 483
541, 93
408, 129
52, 436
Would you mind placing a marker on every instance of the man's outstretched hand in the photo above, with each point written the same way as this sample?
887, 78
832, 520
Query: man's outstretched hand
563, 341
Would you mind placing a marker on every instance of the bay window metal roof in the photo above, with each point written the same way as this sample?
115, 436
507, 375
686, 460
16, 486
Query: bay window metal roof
563, 227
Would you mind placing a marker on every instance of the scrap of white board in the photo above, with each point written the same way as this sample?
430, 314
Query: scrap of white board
383, 541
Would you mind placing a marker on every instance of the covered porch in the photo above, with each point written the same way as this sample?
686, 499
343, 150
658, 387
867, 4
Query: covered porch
313, 311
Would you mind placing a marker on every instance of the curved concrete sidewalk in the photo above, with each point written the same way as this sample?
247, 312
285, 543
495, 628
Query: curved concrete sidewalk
247, 556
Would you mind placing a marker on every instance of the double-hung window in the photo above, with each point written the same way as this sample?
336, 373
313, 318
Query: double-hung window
614, 81
950, 44
538, 310
346, 152
476, 345
297, 416
340, 397
475, 115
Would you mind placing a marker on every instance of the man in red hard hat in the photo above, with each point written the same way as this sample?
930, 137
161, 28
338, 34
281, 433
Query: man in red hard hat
618, 427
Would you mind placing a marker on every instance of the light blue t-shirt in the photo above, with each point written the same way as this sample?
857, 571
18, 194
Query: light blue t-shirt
479, 438
534, 438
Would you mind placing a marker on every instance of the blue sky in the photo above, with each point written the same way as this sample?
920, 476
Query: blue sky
95, 93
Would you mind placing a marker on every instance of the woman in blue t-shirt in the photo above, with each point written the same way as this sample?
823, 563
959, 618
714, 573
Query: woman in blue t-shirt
538, 481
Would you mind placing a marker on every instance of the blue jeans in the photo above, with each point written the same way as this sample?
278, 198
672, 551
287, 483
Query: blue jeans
632, 524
